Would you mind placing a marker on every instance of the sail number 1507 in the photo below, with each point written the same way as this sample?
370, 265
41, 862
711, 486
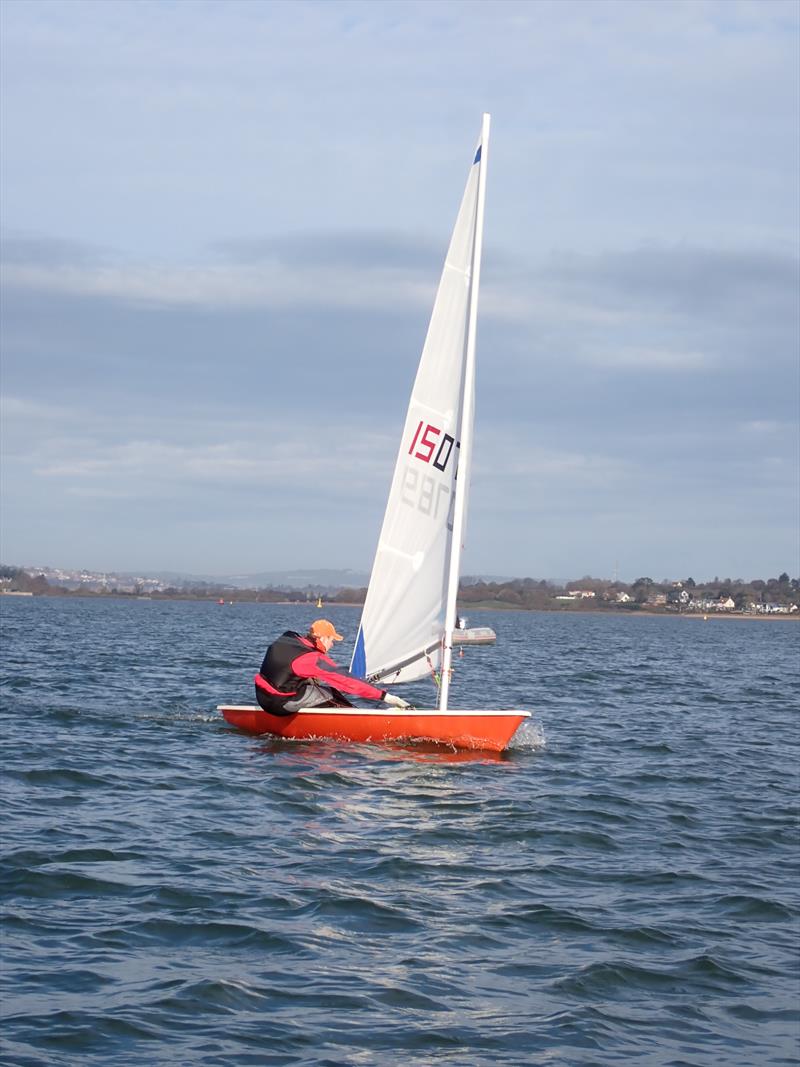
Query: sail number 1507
422, 491
425, 442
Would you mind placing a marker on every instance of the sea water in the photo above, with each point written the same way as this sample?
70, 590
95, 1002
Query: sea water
621, 887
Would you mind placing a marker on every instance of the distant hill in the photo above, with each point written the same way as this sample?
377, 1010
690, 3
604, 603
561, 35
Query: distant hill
322, 579
476, 579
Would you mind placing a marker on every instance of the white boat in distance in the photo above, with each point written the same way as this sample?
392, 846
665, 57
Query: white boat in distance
473, 635
409, 617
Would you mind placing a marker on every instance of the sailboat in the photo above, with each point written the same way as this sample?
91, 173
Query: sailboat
406, 629
473, 635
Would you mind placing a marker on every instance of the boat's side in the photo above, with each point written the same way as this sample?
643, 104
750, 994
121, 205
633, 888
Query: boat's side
489, 730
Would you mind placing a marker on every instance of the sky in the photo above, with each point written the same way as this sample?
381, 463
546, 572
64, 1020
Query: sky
223, 225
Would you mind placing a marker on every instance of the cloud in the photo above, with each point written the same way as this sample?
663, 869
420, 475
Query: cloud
337, 249
685, 280
268, 461
47, 253
306, 273
642, 357
266, 285
344, 271
768, 426
690, 336
716, 329
394, 273
30, 412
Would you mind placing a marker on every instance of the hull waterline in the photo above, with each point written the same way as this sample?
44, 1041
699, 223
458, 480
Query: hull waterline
480, 730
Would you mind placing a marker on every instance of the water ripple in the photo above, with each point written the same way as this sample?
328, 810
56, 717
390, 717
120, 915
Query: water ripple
618, 888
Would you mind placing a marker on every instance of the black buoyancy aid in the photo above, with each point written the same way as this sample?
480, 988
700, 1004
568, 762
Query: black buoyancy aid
277, 665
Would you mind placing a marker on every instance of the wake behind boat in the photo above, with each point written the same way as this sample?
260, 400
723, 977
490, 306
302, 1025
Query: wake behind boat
406, 629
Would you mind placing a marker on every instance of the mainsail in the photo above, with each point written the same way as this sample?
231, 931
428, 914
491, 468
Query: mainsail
409, 613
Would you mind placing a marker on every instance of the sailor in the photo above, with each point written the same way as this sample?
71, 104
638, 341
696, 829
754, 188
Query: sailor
297, 672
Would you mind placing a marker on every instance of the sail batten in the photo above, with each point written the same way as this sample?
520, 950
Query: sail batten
407, 606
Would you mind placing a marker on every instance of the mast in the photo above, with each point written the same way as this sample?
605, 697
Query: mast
467, 406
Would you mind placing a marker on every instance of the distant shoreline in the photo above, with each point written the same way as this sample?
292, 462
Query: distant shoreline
464, 609
628, 614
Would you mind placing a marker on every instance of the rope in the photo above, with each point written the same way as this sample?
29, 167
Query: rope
434, 675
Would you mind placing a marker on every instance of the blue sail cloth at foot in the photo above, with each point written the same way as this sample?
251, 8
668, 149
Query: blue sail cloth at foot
358, 664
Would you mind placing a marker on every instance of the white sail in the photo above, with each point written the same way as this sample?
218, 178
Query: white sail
415, 571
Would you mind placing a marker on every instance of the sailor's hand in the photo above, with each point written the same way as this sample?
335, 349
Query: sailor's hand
395, 702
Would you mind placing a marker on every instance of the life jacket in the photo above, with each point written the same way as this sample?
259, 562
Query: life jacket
276, 668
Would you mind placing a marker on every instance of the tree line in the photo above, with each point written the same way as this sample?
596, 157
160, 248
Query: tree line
644, 592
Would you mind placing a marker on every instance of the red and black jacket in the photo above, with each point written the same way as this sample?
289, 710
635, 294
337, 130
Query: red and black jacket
292, 660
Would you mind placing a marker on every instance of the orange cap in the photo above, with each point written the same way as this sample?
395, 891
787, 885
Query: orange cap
323, 628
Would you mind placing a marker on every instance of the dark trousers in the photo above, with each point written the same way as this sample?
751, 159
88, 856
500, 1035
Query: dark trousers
310, 695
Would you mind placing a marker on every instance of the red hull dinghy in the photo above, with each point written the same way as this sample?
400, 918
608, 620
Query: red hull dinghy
406, 629
486, 730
